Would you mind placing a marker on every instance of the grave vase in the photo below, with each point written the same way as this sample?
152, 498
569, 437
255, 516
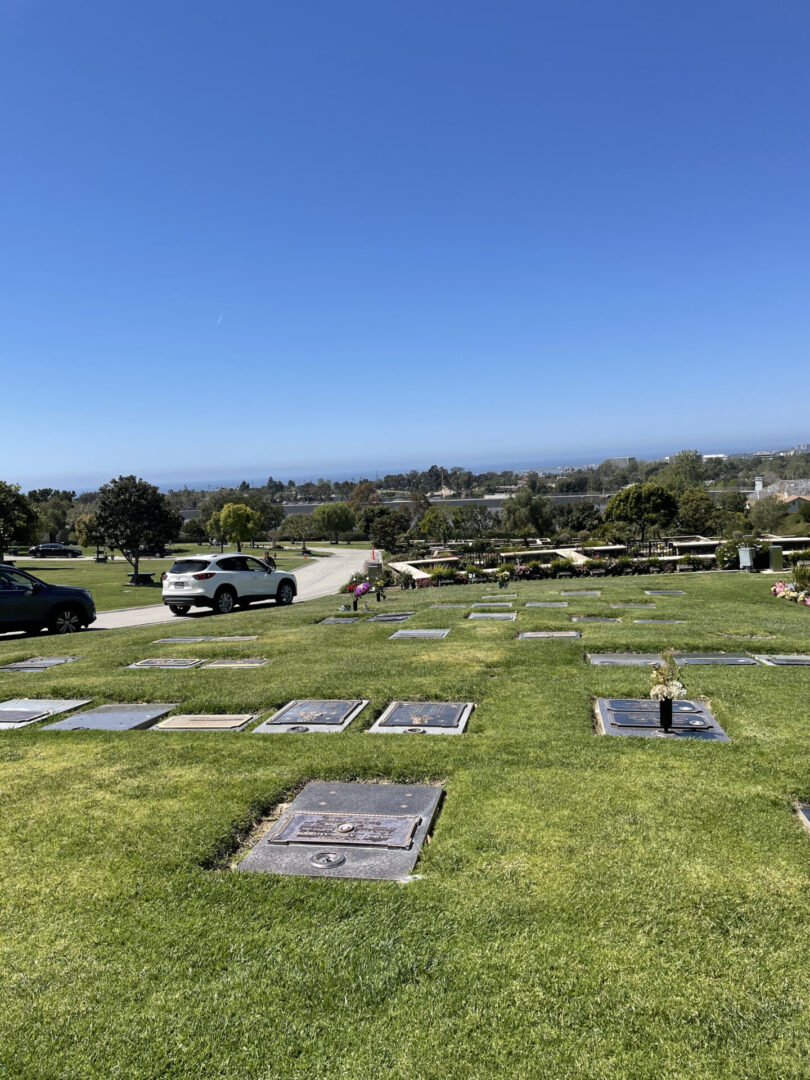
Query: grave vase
665, 713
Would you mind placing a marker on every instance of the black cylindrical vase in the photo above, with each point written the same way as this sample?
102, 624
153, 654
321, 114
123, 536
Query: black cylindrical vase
665, 713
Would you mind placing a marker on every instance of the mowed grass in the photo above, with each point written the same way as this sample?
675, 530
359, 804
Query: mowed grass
588, 907
109, 582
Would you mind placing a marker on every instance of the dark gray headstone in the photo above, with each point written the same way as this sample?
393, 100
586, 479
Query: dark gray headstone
784, 660
38, 663
306, 715
665, 592
166, 662
730, 659
419, 634
420, 717
236, 662
112, 718
546, 603
391, 616
338, 621
504, 616
629, 716
625, 659
549, 634
368, 831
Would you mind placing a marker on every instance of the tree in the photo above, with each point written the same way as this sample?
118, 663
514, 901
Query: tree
364, 494
436, 524
194, 532
766, 514
18, 518
299, 527
87, 531
334, 519
132, 513
684, 472
215, 530
384, 526
576, 517
471, 522
697, 512
642, 507
238, 522
526, 514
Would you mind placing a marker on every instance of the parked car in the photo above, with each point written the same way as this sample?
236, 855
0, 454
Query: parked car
26, 603
54, 551
223, 582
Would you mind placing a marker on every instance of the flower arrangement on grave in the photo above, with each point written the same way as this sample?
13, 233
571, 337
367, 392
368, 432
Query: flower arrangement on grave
666, 687
788, 590
522, 572
503, 577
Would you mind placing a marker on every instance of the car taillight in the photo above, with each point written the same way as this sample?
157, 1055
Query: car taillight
202, 577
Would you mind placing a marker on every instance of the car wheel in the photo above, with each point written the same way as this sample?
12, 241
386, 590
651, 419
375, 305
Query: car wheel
224, 601
179, 609
285, 593
65, 620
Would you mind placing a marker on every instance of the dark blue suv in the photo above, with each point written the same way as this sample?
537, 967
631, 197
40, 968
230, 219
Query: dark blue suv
26, 603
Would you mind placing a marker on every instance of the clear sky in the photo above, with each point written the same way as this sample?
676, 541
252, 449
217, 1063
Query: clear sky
315, 237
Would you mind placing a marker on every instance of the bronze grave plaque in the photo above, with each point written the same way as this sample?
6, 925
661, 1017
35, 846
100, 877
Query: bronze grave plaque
369, 830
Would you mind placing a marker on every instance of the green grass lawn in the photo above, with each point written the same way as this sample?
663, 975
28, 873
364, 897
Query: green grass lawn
589, 907
109, 584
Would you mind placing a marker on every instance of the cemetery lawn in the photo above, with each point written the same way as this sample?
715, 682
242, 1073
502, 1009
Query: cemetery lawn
109, 584
589, 907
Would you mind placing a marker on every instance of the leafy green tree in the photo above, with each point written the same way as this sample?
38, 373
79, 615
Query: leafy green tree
333, 519
298, 527
239, 523
364, 494
384, 526
132, 513
194, 532
215, 530
87, 531
766, 514
19, 521
697, 512
642, 508
526, 514
471, 522
685, 471
436, 524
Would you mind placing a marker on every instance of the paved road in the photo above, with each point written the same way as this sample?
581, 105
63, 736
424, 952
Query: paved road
317, 577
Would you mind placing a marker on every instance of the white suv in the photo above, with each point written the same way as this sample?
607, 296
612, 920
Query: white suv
222, 582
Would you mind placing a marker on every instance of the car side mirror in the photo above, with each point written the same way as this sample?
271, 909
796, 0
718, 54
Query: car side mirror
37, 586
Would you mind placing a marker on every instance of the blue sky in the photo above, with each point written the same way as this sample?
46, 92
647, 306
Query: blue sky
309, 237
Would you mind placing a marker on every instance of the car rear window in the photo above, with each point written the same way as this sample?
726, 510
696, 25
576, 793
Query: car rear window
189, 566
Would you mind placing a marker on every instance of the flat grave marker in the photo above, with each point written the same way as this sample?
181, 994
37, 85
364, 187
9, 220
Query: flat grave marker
236, 662
501, 596
546, 603
447, 607
594, 618
640, 717
527, 634
170, 663
494, 604
205, 722
113, 717
783, 660
369, 831
196, 640
336, 621
662, 622
665, 592
644, 607
580, 592
11, 719
38, 663
625, 659
14, 711
330, 716
419, 634
717, 658
504, 616
391, 616
424, 717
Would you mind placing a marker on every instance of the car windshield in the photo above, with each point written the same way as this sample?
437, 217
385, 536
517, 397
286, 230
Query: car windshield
189, 566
